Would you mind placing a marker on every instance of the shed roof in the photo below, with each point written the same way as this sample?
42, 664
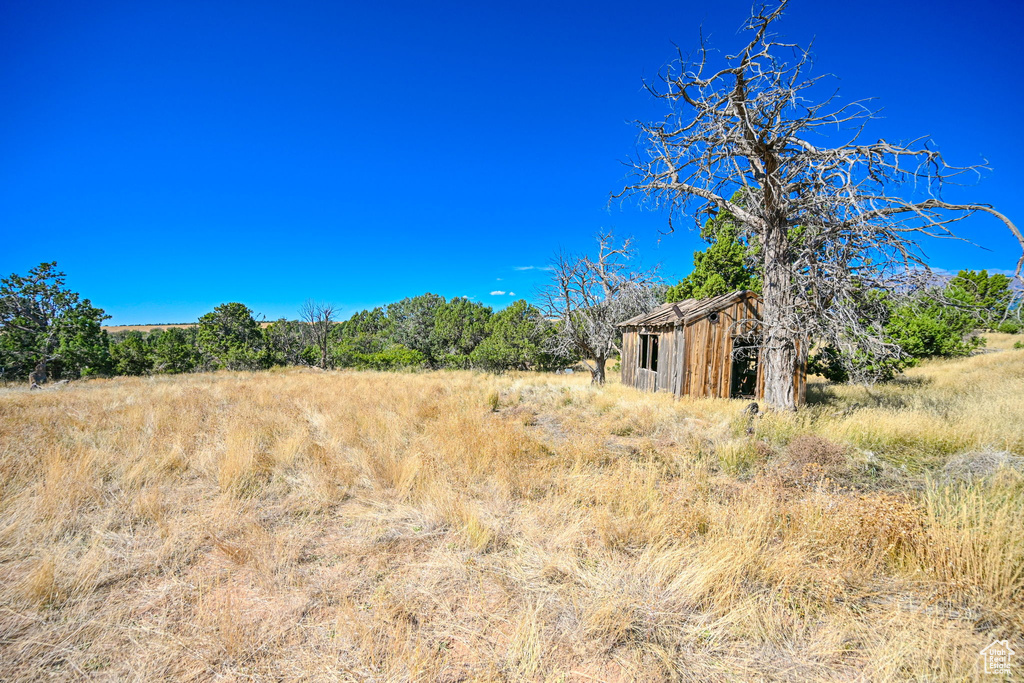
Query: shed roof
685, 311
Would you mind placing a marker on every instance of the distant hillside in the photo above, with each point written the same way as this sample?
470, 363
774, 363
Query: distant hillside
148, 328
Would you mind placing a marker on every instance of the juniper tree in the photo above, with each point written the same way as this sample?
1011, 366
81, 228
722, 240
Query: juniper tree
725, 266
43, 322
230, 338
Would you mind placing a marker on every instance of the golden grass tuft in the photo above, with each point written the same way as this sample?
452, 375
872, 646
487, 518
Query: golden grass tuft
457, 526
975, 537
39, 586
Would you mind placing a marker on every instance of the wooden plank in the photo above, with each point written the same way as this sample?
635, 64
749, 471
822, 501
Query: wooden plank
670, 360
721, 332
628, 361
664, 361
705, 358
725, 381
712, 353
706, 334
684, 379
725, 359
634, 358
696, 361
679, 361
624, 361
659, 373
712, 358
716, 379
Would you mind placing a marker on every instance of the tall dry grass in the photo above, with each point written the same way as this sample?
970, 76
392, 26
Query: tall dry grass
458, 526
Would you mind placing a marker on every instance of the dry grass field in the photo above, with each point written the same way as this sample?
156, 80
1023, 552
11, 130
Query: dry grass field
463, 527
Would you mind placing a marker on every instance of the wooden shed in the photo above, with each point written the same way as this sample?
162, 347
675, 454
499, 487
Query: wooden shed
699, 347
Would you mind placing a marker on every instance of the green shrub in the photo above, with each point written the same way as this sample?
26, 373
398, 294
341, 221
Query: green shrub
925, 325
131, 355
174, 351
926, 328
395, 357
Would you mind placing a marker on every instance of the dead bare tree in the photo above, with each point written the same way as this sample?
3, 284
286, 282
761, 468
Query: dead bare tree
1015, 309
589, 296
830, 221
319, 317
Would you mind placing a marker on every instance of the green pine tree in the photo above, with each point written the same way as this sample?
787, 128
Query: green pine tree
989, 296
725, 266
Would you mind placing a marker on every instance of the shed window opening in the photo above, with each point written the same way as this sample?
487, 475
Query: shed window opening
649, 352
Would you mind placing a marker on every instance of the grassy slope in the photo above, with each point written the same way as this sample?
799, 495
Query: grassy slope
363, 526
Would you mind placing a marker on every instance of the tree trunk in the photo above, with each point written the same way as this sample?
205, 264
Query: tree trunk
597, 370
38, 376
778, 351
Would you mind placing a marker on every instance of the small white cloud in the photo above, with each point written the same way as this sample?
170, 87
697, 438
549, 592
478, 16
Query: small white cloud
498, 279
524, 268
497, 292
511, 293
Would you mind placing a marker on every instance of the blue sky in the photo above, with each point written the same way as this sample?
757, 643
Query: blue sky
173, 156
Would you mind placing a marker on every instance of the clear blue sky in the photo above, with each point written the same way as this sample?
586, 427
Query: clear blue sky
176, 155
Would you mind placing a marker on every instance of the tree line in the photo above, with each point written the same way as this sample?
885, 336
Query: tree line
935, 318
43, 323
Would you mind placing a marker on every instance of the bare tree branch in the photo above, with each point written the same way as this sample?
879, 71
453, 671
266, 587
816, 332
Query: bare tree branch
319, 316
589, 295
830, 220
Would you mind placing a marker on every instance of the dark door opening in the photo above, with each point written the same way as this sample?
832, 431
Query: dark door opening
745, 354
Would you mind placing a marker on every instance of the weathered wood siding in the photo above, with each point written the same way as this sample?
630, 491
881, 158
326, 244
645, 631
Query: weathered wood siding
630, 357
696, 359
666, 342
646, 379
678, 360
669, 368
709, 344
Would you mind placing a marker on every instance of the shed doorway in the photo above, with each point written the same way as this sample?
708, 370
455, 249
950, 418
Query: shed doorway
746, 352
